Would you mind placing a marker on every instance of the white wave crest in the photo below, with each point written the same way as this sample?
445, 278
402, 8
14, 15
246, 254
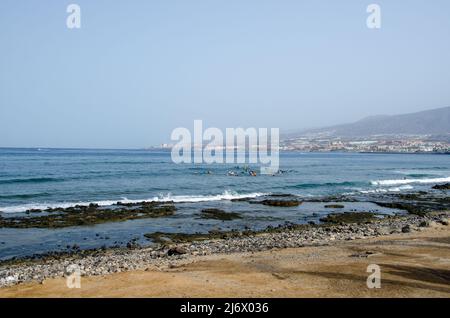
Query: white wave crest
380, 190
409, 181
398, 189
226, 195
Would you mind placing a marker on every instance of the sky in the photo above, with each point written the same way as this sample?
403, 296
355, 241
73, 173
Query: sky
136, 70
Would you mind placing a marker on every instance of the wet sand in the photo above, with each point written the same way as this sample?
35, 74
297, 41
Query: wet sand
412, 265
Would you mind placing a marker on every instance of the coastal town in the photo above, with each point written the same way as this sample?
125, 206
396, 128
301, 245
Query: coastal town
380, 143
385, 144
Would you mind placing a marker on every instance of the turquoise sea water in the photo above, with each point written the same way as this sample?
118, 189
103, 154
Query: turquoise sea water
41, 178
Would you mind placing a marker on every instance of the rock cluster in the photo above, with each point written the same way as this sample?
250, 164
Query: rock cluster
82, 215
445, 186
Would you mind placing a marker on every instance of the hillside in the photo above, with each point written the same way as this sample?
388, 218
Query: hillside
429, 122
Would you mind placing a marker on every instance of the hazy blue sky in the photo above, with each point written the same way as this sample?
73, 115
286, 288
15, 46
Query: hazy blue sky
138, 69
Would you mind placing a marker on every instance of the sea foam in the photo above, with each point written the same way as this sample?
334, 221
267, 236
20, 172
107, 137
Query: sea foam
395, 182
226, 195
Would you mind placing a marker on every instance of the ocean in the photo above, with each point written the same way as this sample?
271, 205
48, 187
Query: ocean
41, 178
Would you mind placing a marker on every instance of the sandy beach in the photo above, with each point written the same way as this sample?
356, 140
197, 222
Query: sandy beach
412, 265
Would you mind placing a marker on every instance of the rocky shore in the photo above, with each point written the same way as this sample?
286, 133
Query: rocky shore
91, 214
174, 250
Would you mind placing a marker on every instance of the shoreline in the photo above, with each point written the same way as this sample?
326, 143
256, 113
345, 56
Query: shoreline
281, 150
414, 264
109, 262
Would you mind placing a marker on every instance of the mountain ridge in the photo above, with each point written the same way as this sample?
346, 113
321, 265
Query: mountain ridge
428, 122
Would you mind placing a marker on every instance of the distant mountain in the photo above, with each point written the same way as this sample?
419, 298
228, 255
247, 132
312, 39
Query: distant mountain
428, 122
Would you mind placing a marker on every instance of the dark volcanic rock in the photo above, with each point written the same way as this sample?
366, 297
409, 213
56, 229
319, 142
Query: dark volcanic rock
331, 199
241, 200
334, 206
89, 215
161, 237
419, 203
217, 214
406, 229
445, 186
176, 251
281, 203
412, 208
348, 217
33, 211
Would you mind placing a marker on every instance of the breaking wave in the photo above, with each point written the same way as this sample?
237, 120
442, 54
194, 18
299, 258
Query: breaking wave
382, 190
395, 182
226, 195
